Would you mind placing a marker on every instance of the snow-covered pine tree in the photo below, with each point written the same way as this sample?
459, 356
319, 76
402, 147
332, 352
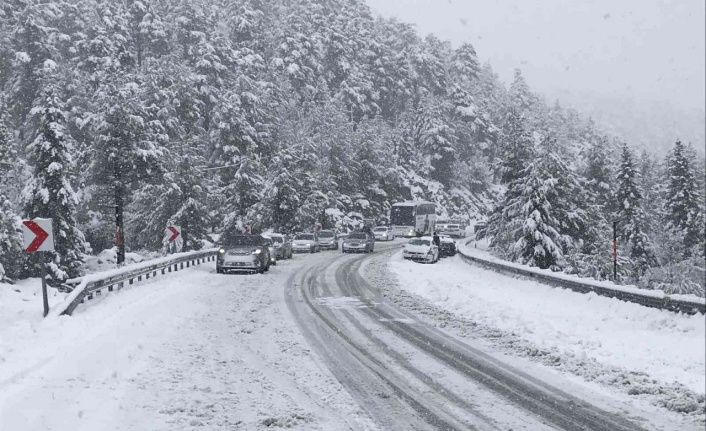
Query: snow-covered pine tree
517, 147
435, 137
682, 197
125, 153
283, 198
177, 198
10, 241
525, 226
630, 216
49, 194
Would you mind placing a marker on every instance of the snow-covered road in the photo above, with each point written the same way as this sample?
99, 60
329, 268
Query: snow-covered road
321, 342
197, 350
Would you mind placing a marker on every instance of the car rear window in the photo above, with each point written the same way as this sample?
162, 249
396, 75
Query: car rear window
240, 240
306, 237
267, 241
417, 241
277, 239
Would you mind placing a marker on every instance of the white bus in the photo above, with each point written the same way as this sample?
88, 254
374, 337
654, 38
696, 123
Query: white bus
411, 218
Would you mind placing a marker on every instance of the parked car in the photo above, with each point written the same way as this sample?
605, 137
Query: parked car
453, 230
306, 243
283, 246
383, 233
328, 239
447, 246
421, 249
242, 252
359, 242
271, 248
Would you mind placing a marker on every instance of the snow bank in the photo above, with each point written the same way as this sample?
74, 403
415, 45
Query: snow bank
667, 346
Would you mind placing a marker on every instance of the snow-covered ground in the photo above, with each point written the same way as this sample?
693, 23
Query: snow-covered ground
190, 350
656, 349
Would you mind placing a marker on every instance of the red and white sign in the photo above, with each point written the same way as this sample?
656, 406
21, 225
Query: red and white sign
172, 233
37, 235
246, 229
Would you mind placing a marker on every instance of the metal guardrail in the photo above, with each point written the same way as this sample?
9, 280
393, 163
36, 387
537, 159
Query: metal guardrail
117, 281
664, 303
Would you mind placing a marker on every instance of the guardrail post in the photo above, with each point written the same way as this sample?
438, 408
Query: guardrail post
154, 273
163, 271
147, 276
131, 280
90, 295
187, 263
110, 288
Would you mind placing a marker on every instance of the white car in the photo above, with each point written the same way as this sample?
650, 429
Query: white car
421, 250
306, 243
383, 233
454, 230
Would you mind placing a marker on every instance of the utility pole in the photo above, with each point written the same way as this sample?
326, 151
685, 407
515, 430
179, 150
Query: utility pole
615, 252
119, 212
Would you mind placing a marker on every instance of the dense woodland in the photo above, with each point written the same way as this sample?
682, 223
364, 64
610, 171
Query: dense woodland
213, 114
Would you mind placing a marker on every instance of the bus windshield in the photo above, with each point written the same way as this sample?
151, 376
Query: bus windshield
402, 215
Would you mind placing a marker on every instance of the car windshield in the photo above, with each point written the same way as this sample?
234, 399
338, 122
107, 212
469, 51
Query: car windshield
267, 241
277, 239
325, 234
304, 237
235, 240
417, 241
357, 235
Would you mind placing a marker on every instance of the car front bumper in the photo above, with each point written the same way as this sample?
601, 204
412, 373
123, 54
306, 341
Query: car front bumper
354, 248
303, 248
328, 245
245, 263
419, 257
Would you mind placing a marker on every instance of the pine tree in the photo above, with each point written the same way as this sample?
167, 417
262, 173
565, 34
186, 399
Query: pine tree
682, 203
630, 215
50, 194
10, 241
517, 148
525, 225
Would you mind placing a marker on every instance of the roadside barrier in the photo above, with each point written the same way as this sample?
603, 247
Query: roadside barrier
84, 288
647, 298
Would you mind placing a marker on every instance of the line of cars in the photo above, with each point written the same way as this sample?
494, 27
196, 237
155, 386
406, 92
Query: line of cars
241, 252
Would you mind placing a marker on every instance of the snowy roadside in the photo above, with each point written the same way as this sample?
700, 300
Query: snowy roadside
653, 355
192, 350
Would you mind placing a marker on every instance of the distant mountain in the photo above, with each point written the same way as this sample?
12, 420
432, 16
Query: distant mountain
641, 122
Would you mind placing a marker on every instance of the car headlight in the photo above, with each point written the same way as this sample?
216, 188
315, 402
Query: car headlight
258, 251
221, 251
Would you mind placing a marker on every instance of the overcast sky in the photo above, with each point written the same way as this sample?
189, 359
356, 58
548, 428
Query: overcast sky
646, 48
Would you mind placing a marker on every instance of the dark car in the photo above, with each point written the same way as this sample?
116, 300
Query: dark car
243, 252
359, 242
447, 246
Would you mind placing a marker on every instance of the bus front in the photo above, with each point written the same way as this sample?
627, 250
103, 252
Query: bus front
403, 220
